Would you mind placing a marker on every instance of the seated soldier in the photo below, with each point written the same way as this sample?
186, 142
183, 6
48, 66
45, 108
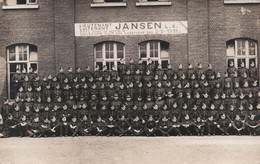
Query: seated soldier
11, 126
99, 126
54, 124
223, 124
199, 127
237, 125
186, 125
123, 126
35, 128
150, 126
2, 130
23, 126
85, 126
252, 125
137, 127
164, 126
111, 126
73, 126
64, 126
175, 127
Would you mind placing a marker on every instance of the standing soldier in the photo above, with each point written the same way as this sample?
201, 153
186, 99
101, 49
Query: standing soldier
231, 69
141, 66
199, 71
61, 75
253, 71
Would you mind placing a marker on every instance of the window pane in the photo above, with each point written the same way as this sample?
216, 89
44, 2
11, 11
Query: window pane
15, 66
21, 2
109, 50
12, 55
34, 66
98, 51
231, 48
164, 63
120, 50
113, 0
164, 50
239, 61
32, 1
241, 48
33, 53
22, 53
143, 53
156, 63
120, 54
251, 47
100, 64
109, 65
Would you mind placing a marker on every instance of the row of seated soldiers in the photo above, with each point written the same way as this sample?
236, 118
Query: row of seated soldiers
196, 119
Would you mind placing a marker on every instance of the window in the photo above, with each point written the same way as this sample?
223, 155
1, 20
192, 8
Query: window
108, 3
108, 53
241, 50
240, 1
20, 4
20, 56
153, 3
158, 51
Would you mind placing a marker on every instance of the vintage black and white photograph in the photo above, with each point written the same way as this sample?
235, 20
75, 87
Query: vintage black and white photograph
129, 81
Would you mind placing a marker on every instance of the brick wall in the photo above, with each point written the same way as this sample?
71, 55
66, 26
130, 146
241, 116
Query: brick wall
51, 28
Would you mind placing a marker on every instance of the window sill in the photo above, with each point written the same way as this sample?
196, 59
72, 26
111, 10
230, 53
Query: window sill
18, 7
113, 4
153, 3
241, 1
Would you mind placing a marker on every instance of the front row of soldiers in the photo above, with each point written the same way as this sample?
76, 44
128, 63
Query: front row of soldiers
138, 125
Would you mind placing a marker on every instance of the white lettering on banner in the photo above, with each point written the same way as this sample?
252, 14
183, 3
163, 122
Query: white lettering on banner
131, 28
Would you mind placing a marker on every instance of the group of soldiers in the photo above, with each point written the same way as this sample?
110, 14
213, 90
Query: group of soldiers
134, 99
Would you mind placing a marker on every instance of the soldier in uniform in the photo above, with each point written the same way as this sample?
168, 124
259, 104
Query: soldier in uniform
237, 125
253, 71
64, 125
35, 128
85, 128
199, 126
164, 126
99, 126
223, 124
175, 126
252, 125
123, 126
137, 127
73, 126
186, 125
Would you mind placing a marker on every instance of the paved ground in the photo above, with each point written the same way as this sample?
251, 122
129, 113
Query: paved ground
131, 150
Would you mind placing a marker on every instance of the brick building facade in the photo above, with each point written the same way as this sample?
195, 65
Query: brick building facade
49, 25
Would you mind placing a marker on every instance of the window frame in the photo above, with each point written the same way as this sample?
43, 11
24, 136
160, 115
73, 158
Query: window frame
159, 58
247, 56
241, 1
102, 3
104, 60
28, 5
28, 62
141, 3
